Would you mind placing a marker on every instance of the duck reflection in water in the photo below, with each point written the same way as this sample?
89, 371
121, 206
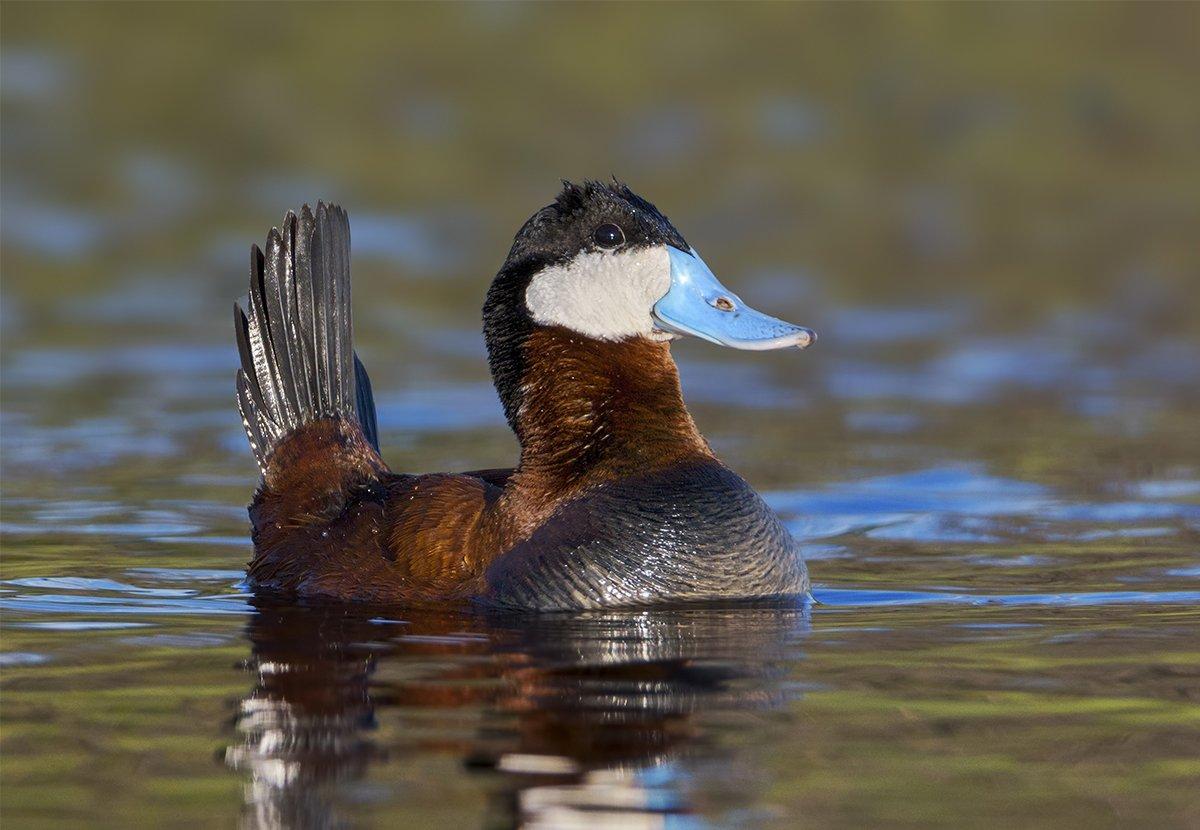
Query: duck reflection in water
593, 720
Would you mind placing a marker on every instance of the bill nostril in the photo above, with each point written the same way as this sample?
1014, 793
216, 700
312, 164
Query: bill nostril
723, 303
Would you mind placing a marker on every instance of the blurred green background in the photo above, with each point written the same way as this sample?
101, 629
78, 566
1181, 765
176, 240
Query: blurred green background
1033, 157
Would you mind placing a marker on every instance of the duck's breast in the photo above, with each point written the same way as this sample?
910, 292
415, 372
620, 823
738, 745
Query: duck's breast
692, 532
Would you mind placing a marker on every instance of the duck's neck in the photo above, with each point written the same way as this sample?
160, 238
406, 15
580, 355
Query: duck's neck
594, 411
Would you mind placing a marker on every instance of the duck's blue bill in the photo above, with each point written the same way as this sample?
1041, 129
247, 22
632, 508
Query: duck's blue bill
699, 305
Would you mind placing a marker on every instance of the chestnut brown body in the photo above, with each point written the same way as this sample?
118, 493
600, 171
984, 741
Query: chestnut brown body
616, 499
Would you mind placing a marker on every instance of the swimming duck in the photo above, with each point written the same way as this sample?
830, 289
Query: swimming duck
617, 499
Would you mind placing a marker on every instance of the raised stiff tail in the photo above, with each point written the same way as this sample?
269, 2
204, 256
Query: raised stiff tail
295, 335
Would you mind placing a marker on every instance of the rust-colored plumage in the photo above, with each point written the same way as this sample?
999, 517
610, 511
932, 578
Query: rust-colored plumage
616, 499
331, 520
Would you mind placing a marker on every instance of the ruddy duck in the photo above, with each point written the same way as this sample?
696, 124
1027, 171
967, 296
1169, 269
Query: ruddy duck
617, 499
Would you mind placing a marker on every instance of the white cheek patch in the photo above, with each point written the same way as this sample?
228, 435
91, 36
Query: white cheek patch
602, 294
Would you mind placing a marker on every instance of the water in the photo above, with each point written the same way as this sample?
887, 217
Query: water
992, 457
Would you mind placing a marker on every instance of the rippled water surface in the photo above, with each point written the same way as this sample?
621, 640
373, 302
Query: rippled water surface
992, 457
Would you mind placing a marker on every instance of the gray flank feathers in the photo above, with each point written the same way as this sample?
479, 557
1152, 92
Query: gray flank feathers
295, 333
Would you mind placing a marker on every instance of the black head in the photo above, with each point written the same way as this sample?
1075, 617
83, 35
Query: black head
585, 218
605, 265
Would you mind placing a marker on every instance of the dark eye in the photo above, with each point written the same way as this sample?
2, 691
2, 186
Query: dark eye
609, 235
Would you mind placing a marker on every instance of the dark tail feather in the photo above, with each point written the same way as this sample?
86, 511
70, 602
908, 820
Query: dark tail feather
366, 404
295, 336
